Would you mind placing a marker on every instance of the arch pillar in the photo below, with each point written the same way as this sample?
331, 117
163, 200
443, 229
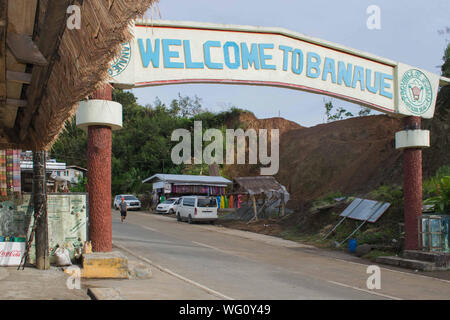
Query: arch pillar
99, 116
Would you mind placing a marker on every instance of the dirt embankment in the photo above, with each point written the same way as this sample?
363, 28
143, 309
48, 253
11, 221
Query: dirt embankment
349, 156
352, 156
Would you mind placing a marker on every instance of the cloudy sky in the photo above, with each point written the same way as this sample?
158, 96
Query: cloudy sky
412, 31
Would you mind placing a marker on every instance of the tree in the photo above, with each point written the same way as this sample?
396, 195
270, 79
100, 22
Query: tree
187, 106
339, 114
143, 146
364, 111
446, 66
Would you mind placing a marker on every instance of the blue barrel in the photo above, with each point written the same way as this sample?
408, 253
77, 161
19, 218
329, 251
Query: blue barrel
2, 239
352, 245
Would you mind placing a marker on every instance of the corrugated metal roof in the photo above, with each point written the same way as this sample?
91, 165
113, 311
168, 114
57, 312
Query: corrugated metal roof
28, 165
363, 209
259, 184
188, 179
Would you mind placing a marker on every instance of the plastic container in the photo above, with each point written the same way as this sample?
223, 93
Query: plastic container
2, 239
352, 244
19, 239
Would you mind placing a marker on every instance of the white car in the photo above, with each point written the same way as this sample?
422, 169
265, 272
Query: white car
197, 208
168, 206
132, 202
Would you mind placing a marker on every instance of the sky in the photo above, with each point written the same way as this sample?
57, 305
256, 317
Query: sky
412, 32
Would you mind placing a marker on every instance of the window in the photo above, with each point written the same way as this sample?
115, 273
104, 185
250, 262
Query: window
207, 202
189, 202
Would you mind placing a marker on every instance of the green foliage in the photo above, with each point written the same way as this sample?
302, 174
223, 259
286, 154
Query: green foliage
446, 66
71, 146
143, 146
436, 190
341, 113
364, 112
388, 193
80, 187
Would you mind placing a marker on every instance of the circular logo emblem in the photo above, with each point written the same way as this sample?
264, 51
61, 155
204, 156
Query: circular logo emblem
122, 61
416, 91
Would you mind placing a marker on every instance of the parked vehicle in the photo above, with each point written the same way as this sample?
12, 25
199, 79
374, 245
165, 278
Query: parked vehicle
169, 206
197, 208
133, 203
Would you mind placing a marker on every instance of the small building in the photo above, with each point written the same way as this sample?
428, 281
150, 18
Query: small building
53, 168
263, 190
183, 184
72, 174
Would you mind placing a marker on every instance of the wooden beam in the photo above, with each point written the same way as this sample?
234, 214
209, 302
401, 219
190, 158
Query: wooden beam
24, 49
18, 77
21, 17
16, 102
51, 31
3, 18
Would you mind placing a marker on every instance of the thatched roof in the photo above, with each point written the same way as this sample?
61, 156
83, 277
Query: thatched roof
257, 185
77, 63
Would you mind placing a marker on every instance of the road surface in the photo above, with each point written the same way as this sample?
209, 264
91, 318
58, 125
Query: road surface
242, 265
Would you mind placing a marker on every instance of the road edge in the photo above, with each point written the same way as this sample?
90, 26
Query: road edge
176, 275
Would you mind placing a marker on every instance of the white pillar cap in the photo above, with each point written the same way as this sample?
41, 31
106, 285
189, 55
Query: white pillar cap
412, 139
99, 113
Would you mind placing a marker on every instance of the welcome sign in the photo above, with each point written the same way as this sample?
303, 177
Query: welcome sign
179, 52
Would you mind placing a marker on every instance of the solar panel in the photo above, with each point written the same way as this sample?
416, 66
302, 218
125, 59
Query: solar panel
364, 209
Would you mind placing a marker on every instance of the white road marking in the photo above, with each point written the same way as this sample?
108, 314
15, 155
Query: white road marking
364, 290
214, 248
392, 270
231, 233
148, 228
176, 275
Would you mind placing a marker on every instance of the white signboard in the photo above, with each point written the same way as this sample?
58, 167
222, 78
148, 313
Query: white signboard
11, 253
179, 52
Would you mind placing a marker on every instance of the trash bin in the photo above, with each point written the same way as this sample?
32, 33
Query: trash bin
352, 245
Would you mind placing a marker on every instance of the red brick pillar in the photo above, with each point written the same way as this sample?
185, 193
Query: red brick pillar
99, 181
412, 170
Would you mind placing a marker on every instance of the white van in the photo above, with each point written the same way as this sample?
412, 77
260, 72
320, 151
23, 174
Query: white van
197, 208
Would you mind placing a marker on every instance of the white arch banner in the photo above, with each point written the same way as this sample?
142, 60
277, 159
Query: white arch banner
164, 52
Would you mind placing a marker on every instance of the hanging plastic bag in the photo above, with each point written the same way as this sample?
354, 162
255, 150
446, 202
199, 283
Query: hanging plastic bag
62, 257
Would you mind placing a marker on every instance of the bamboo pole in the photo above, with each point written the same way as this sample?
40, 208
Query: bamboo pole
254, 208
40, 214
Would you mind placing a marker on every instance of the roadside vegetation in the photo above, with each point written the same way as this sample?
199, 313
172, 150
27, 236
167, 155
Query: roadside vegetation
142, 147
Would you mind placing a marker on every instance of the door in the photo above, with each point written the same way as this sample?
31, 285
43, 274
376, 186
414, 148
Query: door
206, 208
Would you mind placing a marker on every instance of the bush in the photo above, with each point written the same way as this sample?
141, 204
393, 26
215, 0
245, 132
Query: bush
437, 190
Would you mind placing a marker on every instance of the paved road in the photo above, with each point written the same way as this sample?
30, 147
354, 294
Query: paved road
242, 265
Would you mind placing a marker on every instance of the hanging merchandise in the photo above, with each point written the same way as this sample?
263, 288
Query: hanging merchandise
239, 200
16, 171
218, 201
231, 202
222, 202
226, 202
3, 185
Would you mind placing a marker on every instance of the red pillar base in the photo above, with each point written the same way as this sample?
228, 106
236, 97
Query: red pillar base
412, 170
99, 188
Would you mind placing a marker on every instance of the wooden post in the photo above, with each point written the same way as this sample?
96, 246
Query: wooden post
254, 207
40, 210
282, 205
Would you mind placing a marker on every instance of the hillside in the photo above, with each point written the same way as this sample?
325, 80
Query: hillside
352, 156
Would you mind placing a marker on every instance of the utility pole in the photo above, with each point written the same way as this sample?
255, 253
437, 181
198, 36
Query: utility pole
40, 210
